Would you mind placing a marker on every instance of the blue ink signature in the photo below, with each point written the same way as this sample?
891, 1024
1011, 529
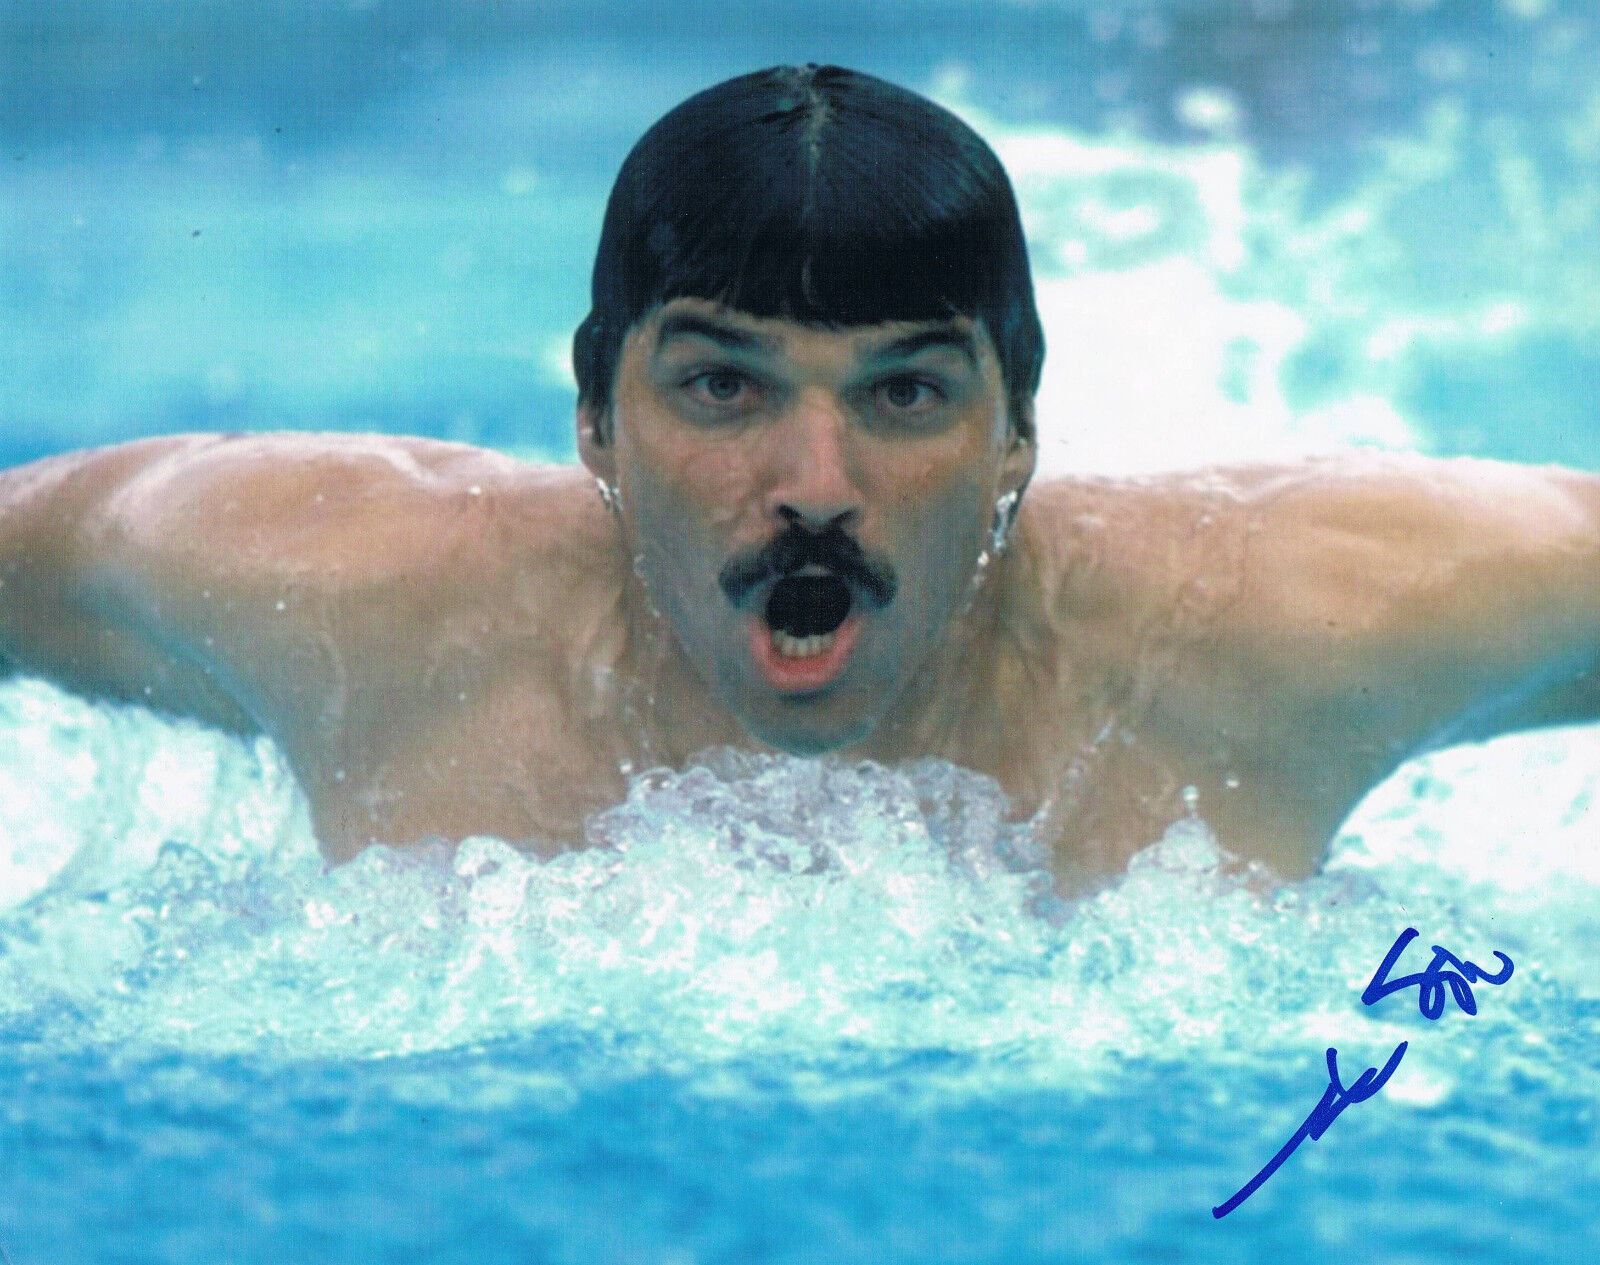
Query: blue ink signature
1430, 985
1431, 982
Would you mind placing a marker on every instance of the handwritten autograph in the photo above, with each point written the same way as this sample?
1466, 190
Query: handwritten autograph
1430, 984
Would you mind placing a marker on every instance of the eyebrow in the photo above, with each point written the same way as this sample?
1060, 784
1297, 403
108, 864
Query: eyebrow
956, 337
689, 324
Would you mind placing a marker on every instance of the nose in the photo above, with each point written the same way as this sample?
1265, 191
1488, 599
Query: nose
813, 481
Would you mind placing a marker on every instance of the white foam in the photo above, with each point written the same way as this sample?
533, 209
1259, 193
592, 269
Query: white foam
806, 911
1178, 284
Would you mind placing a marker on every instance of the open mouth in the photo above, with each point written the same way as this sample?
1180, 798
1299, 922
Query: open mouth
805, 611
806, 631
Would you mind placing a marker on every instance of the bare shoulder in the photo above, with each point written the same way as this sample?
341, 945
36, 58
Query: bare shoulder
208, 573
1307, 541
387, 548
406, 618
1299, 629
1355, 480
350, 507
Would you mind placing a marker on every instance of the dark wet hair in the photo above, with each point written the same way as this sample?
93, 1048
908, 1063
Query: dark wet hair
821, 195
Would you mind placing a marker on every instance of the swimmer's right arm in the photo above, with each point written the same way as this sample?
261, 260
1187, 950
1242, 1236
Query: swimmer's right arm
260, 583
56, 545
368, 602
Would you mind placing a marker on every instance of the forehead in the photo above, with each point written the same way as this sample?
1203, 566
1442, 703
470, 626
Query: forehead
683, 321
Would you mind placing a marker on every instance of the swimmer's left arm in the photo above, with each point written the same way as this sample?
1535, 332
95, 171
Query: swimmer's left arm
1467, 592
1362, 610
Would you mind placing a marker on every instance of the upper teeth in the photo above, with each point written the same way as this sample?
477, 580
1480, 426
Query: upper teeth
801, 647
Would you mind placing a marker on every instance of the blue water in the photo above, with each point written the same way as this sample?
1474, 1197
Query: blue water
788, 1011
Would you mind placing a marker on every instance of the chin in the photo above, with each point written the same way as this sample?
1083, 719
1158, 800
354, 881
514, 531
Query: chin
808, 740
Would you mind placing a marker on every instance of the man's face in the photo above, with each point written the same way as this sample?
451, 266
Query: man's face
808, 503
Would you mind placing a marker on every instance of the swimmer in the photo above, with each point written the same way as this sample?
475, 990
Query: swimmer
808, 524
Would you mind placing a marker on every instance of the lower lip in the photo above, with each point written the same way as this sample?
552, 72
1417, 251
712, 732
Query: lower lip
808, 674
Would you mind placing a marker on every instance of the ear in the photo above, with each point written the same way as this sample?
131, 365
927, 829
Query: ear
598, 456
1021, 455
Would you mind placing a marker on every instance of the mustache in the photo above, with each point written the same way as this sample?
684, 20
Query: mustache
795, 549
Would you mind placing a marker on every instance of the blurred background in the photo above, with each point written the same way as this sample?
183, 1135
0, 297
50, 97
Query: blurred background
1258, 227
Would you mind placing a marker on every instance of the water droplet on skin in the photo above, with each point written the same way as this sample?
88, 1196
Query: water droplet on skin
976, 583
625, 767
1191, 800
1231, 782
281, 605
638, 571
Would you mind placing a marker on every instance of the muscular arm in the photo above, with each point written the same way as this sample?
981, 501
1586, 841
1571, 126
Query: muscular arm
1290, 635
377, 606
51, 621
1468, 591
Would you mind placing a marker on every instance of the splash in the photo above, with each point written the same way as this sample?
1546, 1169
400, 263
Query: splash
1202, 305
163, 891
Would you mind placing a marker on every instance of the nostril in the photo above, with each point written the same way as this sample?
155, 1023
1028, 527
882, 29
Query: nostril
816, 522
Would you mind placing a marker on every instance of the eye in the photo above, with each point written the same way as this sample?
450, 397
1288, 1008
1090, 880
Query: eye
906, 394
719, 386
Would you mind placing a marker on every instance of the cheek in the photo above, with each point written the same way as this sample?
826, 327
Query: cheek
719, 479
943, 533
679, 506
943, 489
701, 483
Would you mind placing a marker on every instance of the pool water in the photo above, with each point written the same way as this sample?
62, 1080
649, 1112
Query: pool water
789, 1011
786, 1010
